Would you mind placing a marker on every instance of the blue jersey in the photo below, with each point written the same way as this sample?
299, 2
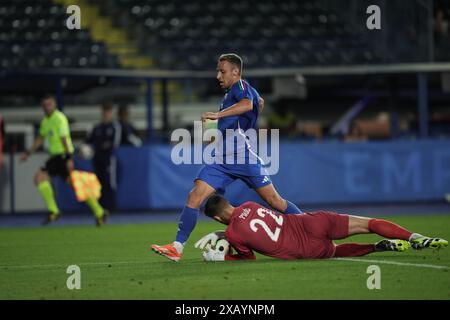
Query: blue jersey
238, 91
239, 123
220, 175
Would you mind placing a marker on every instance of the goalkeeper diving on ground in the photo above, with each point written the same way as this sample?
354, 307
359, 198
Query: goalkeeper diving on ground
254, 228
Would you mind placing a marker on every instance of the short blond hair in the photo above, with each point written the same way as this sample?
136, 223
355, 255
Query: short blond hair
234, 59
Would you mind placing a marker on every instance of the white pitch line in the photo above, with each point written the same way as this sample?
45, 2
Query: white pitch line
406, 264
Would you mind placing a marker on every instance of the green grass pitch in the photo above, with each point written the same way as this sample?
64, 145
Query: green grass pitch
116, 263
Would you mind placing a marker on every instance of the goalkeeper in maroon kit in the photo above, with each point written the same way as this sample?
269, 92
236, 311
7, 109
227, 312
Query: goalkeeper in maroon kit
252, 227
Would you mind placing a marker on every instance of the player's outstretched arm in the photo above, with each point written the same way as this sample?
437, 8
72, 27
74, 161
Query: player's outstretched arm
241, 107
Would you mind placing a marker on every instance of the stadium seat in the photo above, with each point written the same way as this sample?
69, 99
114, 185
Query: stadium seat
168, 31
33, 35
179, 28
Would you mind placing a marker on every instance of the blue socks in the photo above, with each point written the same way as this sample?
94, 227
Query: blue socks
292, 208
188, 220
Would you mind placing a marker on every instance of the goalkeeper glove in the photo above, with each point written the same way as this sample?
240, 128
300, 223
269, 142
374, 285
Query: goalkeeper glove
210, 239
213, 255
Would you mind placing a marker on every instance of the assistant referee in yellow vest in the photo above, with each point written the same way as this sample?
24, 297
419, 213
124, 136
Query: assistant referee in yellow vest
55, 129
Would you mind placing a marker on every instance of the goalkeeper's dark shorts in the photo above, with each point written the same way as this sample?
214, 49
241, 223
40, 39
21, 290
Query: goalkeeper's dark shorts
321, 228
57, 166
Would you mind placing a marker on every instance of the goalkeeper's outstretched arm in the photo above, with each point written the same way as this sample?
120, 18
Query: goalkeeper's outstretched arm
242, 253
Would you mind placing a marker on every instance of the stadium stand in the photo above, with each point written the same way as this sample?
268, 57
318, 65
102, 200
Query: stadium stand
291, 33
187, 35
33, 35
190, 34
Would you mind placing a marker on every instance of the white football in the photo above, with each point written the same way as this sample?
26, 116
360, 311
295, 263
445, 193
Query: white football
222, 245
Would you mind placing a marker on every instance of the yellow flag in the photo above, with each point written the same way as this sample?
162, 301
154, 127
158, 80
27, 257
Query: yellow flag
86, 185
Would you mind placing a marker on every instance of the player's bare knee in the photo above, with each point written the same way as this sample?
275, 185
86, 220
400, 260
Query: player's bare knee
358, 225
364, 224
195, 198
40, 176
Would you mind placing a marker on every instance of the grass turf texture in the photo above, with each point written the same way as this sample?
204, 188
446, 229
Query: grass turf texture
116, 263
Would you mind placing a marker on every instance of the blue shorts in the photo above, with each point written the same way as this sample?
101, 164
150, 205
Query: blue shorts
219, 176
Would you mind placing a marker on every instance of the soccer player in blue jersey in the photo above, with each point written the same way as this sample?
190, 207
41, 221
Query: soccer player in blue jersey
239, 111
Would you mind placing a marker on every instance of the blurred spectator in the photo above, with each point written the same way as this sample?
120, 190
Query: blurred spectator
2, 139
355, 133
311, 130
441, 23
104, 138
129, 134
283, 119
441, 30
439, 124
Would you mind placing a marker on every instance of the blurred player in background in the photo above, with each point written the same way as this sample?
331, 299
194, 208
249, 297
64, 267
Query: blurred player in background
239, 111
104, 138
2, 139
128, 133
305, 236
55, 129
